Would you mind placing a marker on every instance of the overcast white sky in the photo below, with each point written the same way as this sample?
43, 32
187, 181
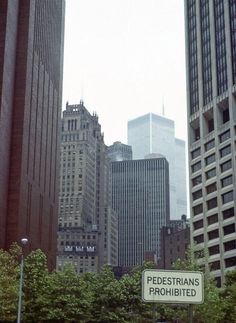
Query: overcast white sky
124, 58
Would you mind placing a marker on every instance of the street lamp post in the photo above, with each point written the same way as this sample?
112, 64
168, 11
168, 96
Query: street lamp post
24, 241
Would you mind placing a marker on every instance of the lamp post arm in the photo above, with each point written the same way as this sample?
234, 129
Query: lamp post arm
20, 290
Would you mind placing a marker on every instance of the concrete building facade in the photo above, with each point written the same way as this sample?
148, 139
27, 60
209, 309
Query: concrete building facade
87, 235
140, 196
211, 98
31, 57
151, 134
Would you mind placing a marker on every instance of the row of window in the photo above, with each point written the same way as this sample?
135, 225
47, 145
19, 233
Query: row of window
212, 203
229, 262
224, 117
212, 173
211, 158
213, 219
214, 234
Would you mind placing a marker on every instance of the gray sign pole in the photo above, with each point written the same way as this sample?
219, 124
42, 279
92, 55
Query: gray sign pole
190, 313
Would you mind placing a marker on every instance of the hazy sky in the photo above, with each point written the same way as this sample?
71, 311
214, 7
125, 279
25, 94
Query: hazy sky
124, 58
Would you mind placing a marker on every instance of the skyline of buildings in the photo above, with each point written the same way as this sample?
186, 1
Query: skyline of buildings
155, 134
211, 106
140, 197
31, 61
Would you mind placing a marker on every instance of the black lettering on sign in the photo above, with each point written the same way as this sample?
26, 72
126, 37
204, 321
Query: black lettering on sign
149, 279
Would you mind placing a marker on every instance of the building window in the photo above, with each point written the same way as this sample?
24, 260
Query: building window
196, 167
199, 239
197, 180
211, 173
213, 234
227, 181
225, 151
220, 46
214, 250
212, 219
230, 245
193, 61
209, 145
197, 195
224, 136
228, 229
210, 159
226, 166
211, 204
211, 188
195, 153
197, 209
198, 225
215, 265
229, 213
227, 197
230, 262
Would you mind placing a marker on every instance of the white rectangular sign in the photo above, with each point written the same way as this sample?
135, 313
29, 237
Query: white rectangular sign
175, 286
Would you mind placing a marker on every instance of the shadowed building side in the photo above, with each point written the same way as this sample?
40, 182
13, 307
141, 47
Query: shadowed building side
31, 56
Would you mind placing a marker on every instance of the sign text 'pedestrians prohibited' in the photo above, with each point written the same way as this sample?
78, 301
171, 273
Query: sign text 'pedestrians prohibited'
172, 286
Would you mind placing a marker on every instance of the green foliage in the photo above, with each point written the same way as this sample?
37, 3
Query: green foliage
9, 283
66, 297
212, 310
35, 285
229, 297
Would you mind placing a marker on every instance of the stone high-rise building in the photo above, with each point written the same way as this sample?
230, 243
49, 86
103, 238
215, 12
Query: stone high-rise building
31, 56
87, 235
211, 97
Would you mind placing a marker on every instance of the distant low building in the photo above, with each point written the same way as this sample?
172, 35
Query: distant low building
174, 242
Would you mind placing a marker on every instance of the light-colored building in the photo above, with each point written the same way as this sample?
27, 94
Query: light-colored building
152, 133
211, 98
118, 152
87, 235
140, 196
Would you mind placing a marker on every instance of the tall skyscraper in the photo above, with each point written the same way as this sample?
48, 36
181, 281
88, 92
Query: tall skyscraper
31, 56
211, 98
152, 133
119, 152
140, 196
87, 235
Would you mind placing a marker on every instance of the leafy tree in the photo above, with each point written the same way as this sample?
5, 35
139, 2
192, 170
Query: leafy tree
229, 296
212, 310
131, 286
35, 285
108, 304
67, 299
9, 283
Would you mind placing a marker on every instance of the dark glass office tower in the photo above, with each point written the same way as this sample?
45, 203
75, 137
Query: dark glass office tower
31, 56
211, 97
140, 196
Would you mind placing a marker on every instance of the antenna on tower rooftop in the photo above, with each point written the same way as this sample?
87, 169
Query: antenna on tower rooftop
163, 107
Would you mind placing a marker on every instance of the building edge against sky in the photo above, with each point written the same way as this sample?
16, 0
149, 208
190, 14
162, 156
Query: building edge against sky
31, 60
211, 100
152, 133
